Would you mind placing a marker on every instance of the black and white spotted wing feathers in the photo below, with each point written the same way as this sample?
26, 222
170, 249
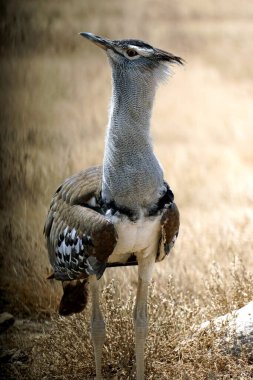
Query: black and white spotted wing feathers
79, 238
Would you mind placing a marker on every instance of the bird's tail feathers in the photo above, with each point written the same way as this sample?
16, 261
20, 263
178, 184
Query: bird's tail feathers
75, 297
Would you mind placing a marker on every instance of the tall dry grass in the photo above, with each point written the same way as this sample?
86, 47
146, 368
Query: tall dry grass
54, 101
168, 355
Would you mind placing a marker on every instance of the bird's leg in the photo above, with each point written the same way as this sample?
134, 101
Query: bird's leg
140, 325
97, 326
145, 269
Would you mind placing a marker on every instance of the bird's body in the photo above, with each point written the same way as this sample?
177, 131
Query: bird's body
123, 211
84, 234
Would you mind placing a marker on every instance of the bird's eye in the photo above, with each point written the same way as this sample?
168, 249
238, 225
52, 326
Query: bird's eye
131, 53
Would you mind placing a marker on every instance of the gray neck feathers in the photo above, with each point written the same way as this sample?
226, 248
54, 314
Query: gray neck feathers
132, 176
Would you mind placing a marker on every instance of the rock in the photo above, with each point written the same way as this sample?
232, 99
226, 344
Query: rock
236, 329
6, 321
240, 322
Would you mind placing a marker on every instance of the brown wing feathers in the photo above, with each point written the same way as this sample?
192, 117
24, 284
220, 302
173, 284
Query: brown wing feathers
170, 222
82, 186
79, 239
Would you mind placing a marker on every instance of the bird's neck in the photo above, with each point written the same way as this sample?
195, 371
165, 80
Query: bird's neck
132, 176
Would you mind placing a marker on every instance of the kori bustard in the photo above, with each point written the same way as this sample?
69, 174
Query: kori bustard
124, 211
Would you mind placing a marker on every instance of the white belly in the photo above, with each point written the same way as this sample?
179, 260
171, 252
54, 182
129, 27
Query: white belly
140, 236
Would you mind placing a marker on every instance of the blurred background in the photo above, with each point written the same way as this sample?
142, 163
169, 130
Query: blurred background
55, 91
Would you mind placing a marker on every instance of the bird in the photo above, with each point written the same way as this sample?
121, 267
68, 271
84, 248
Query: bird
121, 212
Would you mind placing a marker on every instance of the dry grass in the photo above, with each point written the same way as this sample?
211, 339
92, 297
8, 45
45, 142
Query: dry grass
172, 317
54, 99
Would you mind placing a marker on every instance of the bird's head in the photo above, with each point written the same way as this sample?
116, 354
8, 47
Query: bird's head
135, 56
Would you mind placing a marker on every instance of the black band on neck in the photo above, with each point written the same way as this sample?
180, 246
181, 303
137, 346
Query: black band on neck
166, 198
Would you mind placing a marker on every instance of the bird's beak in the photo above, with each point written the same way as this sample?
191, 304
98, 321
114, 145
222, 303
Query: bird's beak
99, 41
166, 56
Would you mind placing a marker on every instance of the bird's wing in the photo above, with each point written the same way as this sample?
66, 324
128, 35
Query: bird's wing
79, 238
170, 222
